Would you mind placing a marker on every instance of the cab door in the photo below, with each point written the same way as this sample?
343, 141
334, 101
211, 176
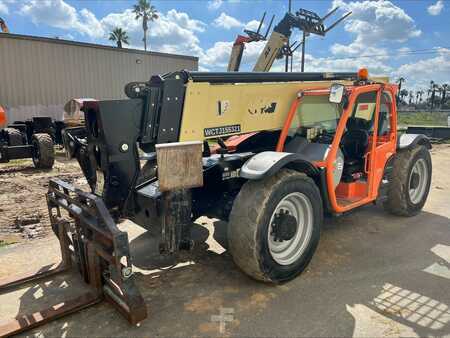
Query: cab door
384, 138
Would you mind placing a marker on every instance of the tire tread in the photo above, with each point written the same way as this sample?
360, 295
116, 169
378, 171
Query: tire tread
47, 152
247, 207
396, 202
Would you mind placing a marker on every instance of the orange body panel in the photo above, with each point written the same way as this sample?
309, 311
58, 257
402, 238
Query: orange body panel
351, 191
232, 142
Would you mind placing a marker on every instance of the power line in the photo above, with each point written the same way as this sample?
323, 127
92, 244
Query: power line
406, 53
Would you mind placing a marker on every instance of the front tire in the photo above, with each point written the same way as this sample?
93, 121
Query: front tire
410, 182
44, 153
274, 226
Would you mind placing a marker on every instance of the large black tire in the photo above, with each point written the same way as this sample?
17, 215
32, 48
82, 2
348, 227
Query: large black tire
399, 200
248, 228
15, 137
44, 153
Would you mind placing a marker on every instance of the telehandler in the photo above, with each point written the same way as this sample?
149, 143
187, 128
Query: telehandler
307, 144
237, 51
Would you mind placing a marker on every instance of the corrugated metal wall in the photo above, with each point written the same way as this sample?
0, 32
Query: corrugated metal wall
38, 75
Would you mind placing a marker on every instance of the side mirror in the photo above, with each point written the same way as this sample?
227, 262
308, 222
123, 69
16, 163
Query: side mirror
336, 93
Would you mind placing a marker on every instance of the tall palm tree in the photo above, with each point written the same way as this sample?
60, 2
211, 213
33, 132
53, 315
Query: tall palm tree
144, 9
400, 82
433, 87
119, 36
445, 88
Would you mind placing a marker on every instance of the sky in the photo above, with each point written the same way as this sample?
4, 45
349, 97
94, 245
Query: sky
407, 38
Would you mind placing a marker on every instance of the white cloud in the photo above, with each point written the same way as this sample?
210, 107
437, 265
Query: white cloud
436, 9
251, 54
58, 14
217, 56
214, 4
356, 49
89, 24
227, 22
184, 21
404, 50
3, 8
173, 32
329, 64
419, 73
253, 25
372, 23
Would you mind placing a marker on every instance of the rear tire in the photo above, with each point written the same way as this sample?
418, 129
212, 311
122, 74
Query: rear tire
44, 153
410, 182
15, 137
251, 226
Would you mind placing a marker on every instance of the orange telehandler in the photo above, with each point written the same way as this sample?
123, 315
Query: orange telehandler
316, 144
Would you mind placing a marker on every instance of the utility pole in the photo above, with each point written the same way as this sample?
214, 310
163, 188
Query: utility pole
286, 62
303, 51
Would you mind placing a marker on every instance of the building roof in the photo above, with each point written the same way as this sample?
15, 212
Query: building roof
93, 45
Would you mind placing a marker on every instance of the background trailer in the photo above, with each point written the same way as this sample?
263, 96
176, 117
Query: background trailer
39, 75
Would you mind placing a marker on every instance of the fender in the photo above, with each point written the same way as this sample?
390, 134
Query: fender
267, 163
409, 141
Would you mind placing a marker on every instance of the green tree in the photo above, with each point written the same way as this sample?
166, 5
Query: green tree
119, 36
144, 9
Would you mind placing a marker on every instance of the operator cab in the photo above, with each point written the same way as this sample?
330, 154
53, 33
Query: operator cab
315, 126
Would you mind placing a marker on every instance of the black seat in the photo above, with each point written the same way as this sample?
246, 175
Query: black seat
354, 144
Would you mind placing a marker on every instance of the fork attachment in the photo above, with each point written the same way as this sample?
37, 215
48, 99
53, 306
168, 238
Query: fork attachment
90, 242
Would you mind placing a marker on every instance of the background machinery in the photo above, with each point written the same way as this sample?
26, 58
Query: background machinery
316, 144
33, 138
307, 21
237, 50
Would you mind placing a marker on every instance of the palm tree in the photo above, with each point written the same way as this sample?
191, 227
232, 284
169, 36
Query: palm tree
403, 93
411, 95
143, 9
421, 92
119, 36
445, 88
433, 87
400, 81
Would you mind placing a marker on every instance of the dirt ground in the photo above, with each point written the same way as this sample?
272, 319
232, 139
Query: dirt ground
23, 209
373, 274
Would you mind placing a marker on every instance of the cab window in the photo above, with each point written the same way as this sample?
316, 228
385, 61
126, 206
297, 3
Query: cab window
365, 106
385, 115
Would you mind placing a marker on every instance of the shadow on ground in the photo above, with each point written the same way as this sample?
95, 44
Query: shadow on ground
373, 274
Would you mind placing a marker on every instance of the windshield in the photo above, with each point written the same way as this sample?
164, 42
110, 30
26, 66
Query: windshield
316, 112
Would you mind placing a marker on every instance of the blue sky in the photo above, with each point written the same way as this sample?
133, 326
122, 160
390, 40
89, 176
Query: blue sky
402, 38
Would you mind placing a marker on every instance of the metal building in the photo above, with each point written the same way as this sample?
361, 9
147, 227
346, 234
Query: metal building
39, 75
